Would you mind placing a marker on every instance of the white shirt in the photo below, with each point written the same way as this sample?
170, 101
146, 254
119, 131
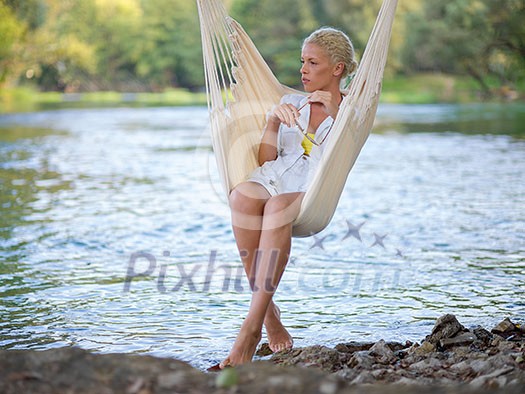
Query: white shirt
292, 170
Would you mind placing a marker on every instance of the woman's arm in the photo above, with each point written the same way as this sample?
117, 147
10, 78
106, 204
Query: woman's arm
284, 113
268, 146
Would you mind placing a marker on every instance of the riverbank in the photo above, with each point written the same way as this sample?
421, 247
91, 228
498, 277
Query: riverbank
417, 89
451, 359
26, 99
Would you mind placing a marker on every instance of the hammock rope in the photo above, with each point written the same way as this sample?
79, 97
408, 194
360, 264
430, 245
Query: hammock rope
241, 88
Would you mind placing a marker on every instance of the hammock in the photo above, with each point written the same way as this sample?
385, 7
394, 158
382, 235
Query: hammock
241, 89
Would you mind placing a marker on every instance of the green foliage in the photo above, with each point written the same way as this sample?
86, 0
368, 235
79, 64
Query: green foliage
32, 12
472, 37
11, 33
154, 45
277, 31
170, 50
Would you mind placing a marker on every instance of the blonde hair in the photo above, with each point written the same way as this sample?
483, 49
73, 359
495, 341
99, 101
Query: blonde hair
337, 45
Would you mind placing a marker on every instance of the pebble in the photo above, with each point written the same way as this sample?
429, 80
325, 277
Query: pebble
382, 352
463, 339
450, 354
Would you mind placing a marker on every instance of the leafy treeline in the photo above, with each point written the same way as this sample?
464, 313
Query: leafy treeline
136, 45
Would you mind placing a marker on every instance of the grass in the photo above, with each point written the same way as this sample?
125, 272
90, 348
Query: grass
23, 99
438, 88
417, 89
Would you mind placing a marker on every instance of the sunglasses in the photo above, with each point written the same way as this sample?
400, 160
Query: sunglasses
303, 132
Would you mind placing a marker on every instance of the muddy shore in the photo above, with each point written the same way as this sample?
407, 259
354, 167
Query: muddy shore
451, 359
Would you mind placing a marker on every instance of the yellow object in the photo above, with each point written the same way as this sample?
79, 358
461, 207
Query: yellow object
307, 144
241, 88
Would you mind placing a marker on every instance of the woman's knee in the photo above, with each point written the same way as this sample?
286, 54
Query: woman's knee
283, 207
245, 198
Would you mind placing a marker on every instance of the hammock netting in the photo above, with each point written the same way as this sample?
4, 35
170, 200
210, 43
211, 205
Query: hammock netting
241, 89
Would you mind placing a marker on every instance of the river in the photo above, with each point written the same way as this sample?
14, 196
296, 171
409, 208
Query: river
90, 198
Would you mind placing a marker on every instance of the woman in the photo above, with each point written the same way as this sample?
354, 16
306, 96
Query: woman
264, 207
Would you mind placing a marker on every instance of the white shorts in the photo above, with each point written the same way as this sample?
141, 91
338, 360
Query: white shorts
279, 179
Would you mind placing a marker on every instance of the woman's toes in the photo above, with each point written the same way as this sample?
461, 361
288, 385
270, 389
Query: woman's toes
225, 363
281, 346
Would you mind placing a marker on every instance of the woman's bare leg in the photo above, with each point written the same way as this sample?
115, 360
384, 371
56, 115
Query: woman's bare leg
274, 249
247, 203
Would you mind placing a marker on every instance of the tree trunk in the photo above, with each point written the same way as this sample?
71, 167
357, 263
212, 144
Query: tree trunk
485, 89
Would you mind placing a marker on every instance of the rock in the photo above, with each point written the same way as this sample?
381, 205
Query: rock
509, 330
351, 368
401, 354
382, 353
480, 367
263, 377
286, 357
485, 379
352, 347
462, 339
423, 349
506, 345
461, 352
264, 350
75, 370
408, 381
364, 377
462, 368
483, 335
380, 374
347, 373
312, 356
427, 365
398, 346
361, 360
504, 326
446, 326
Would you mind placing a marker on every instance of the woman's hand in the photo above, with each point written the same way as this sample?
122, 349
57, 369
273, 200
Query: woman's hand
284, 113
329, 102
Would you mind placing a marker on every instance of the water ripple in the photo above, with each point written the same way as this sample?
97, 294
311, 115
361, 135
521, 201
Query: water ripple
84, 192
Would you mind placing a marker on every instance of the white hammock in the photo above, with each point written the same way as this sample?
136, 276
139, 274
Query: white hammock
241, 89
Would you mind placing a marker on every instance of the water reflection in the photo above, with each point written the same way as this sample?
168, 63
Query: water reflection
504, 119
82, 190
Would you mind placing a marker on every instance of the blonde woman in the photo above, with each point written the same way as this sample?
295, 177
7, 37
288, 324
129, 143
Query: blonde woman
264, 207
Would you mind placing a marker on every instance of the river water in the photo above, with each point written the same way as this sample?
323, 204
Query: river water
90, 198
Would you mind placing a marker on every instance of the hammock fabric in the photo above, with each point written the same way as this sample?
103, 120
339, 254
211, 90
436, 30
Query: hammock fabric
241, 89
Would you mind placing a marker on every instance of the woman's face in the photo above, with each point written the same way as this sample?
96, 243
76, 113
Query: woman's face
317, 70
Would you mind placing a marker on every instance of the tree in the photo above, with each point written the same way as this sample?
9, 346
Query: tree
12, 31
115, 32
506, 20
355, 17
473, 37
36, 48
278, 30
170, 49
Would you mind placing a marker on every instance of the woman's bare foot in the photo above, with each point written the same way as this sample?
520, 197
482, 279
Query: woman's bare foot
244, 347
278, 337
